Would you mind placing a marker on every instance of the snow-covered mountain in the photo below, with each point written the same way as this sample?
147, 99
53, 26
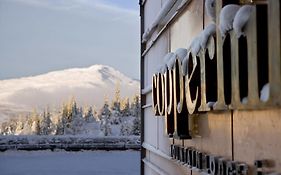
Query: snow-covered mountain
89, 86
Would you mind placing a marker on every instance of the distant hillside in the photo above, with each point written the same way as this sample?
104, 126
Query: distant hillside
88, 85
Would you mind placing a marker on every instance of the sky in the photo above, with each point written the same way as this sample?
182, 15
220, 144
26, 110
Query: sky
39, 36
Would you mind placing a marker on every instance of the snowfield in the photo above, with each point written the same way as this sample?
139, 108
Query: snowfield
70, 163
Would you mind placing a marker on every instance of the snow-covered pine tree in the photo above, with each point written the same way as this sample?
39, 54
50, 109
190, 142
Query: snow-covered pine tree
136, 113
77, 120
27, 126
13, 126
65, 121
125, 128
89, 116
105, 119
4, 128
35, 126
20, 125
115, 104
45, 123
60, 126
136, 126
9, 127
70, 112
125, 107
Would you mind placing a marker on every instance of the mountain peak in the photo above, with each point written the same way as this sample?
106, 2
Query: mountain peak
88, 85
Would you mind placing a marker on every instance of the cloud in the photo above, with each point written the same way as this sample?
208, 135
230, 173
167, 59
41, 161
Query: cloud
79, 5
58, 5
112, 8
38, 36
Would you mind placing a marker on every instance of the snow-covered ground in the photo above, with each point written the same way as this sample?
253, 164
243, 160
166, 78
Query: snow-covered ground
70, 163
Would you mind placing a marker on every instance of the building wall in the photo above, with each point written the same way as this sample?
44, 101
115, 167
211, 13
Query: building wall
239, 135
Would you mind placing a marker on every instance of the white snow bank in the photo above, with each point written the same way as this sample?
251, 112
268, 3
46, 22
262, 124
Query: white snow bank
147, 89
158, 69
185, 65
181, 53
210, 6
171, 62
163, 69
227, 15
195, 46
145, 35
265, 93
245, 100
241, 18
182, 4
167, 57
211, 104
162, 13
179, 106
206, 33
166, 62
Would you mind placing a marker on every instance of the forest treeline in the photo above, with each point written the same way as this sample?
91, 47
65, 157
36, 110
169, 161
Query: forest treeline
118, 117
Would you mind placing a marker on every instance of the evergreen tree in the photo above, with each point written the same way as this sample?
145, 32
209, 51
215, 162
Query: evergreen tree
65, 120
115, 117
20, 125
35, 123
135, 106
45, 124
136, 113
125, 129
4, 128
105, 119
89, 116
115, 105
12, 126
78, 121
125, 107
60, 126
136, 126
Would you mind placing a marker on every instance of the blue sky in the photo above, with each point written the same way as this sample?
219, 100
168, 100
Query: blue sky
39, 36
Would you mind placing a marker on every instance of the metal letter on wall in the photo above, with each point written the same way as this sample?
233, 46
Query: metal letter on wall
160, 94
154, 94
180, 113
211, 52
169, 113
191, 103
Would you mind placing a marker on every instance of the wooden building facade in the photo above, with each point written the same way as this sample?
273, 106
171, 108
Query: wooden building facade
211, 96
